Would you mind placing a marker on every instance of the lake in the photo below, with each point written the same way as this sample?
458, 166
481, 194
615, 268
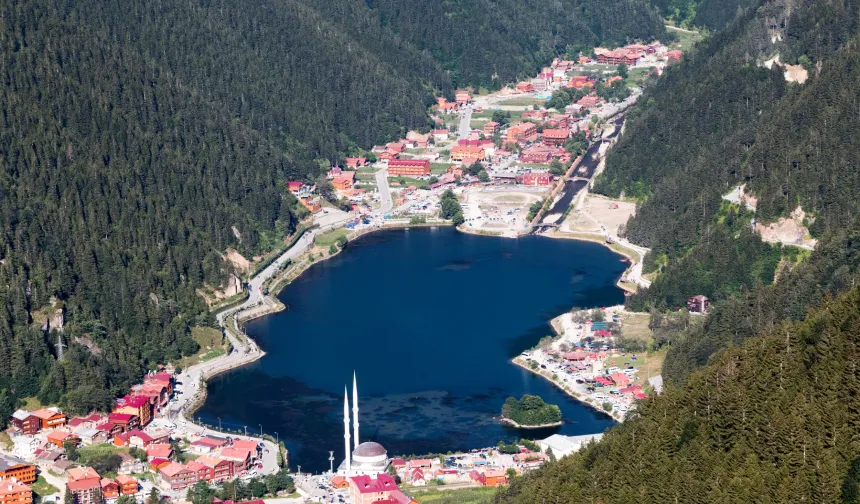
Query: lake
429, 320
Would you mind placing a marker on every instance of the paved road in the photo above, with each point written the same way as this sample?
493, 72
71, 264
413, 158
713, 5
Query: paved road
384, 192
465, 123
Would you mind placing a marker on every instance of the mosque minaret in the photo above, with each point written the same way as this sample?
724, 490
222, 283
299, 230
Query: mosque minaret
366, 458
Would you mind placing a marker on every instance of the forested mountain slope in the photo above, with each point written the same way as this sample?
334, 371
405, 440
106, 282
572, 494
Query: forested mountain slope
775, 420
492, 42
139, 140
720, 119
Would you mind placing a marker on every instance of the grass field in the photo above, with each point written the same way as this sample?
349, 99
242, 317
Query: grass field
31, 404
475, 495
6, 441
329, 237
42, 488
686, 40
635, 325
211, 346
437, 168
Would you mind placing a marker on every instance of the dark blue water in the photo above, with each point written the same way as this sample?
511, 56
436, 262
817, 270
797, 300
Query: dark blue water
429, 319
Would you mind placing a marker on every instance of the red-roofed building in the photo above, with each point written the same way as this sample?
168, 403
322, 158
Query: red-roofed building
587, 102
490, 128
522, 132
466, 152
207, 445
239, 457
294, 186
86, 491
127, 484
408, 167
525, 87
674, 55
125, 421
135, 405
356, 162
217, 469
177, 476
620, 379
159, 451
57, 438
462, 97
50, 417
366, 490
26, 422
13, 492
579, 82
110, 489
555, 137
248, 444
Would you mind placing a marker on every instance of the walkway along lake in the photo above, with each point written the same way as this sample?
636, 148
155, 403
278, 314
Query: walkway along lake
429, 319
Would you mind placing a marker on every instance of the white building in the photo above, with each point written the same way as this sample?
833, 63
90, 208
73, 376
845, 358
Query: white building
565, 445
366, 458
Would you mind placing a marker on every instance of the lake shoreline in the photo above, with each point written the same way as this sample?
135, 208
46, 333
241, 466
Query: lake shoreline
508, 421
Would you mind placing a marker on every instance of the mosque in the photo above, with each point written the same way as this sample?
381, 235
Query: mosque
366, 458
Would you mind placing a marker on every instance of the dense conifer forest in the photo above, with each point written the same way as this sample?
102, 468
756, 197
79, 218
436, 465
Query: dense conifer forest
139, 140
775, 420
490, 43
719, 119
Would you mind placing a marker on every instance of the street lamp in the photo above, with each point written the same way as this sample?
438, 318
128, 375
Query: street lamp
219, 424
246, 430
261, 430
278, 439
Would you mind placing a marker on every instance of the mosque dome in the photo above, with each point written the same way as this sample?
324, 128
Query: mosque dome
369, 450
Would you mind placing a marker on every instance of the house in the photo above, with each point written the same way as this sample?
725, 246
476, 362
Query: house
698, 304
537, 155
491, 128
25, 446
240, 458
50, 417
127, 484
589, 101
416, 477
408, 167
203, 472
339, 482
83, 473
462, 97
162, 378
135, 405
294, 186
555, 137
13, 492
579, 82
366, 490
62, 466
420, 463
356, 162
124, 421
177, 476
90, 436
207, 445
58, 438
13, 468
217, 469
85, 485
614, 78
87, 491
493, 478
248, 444
109, 429
674, 55
525, 87
110, 489
620, 379
131, 465
157, 463
342, 183
159, 451
522, 132
26, 422
440, 134
467, 152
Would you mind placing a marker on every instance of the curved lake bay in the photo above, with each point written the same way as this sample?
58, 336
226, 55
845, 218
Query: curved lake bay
429, 320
